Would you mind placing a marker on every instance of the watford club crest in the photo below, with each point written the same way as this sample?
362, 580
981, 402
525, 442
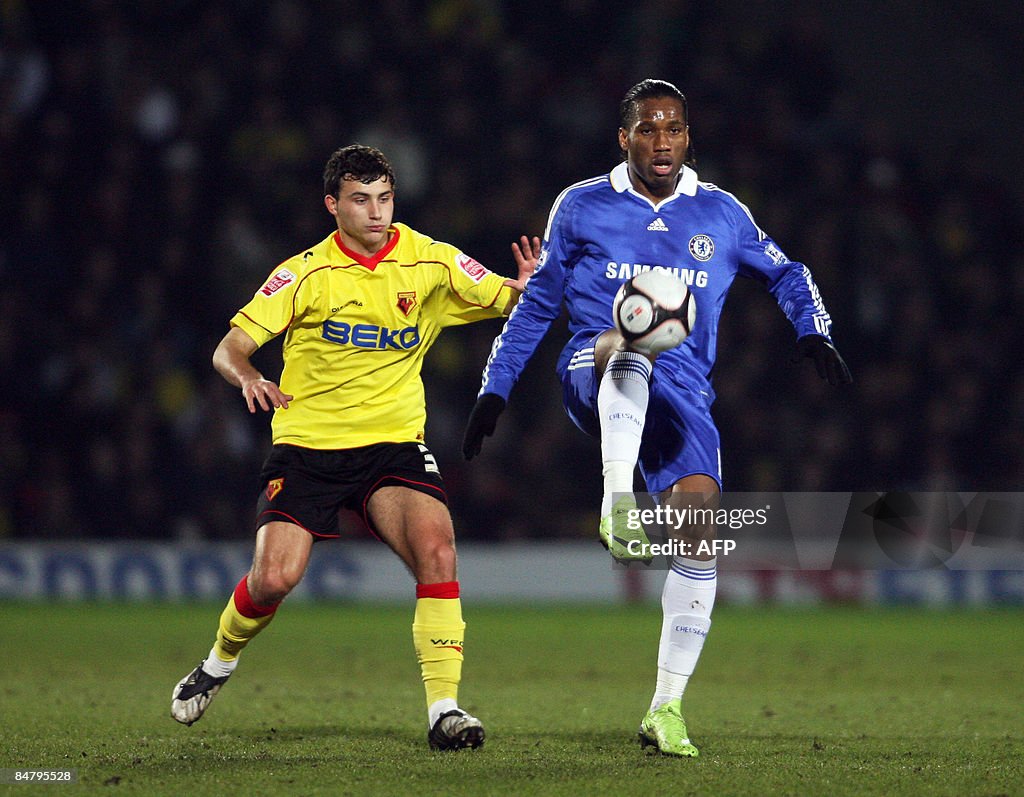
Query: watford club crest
406, 301
274, 486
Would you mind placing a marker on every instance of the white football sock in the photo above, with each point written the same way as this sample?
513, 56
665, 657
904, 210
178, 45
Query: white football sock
622, 408
439, 707
216, 666
686, 604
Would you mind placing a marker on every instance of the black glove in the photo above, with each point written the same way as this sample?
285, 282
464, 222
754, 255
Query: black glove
826, 359
482, 421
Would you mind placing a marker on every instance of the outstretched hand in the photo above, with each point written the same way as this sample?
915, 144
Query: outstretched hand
482, 421
265, 393
526, 252
827, 360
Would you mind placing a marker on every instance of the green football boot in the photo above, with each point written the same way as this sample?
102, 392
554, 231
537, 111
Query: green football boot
616, 535
664, 729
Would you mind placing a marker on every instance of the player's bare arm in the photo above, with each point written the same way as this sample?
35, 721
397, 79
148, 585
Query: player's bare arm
231, 359
526, 252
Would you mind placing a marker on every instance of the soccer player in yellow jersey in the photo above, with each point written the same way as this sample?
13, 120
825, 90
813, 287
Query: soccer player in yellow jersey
358, 311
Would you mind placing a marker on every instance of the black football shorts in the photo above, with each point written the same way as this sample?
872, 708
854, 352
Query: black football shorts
308, 486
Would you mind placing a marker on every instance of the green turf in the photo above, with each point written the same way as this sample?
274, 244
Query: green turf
803, 702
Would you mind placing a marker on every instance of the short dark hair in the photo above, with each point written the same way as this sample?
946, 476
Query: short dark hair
629, 108
355, 162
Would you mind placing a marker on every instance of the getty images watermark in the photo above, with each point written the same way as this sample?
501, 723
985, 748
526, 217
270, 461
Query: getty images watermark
670, 529
894, 530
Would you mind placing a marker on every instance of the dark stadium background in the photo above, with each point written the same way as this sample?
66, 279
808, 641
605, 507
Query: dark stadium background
157, 160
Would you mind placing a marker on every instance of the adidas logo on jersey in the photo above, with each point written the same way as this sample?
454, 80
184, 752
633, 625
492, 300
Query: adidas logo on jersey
658, 225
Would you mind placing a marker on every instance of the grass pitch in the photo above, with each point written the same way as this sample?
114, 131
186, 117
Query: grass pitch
328, 701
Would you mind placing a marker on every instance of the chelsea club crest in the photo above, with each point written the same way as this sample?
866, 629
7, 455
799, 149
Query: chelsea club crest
702, 247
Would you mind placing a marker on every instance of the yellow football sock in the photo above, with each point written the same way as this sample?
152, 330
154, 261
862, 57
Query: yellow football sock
240, 621
437, 633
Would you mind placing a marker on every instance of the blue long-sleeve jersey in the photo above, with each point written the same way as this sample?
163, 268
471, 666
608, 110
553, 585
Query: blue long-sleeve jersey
601, 232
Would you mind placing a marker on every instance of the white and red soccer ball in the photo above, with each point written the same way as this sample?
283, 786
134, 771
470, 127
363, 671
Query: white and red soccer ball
654, 311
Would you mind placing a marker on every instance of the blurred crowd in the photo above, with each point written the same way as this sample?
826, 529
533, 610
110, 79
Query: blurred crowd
157, 160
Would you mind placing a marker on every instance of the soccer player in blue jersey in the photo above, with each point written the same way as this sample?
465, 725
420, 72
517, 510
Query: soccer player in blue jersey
650, 211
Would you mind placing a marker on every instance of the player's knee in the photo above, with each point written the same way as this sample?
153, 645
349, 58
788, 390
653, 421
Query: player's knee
695, 534
436, 559
271, 585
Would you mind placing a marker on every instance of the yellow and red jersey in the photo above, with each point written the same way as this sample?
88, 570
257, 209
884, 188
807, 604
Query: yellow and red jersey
357, 329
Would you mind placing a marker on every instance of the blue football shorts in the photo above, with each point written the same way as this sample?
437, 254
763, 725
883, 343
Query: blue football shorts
680, 438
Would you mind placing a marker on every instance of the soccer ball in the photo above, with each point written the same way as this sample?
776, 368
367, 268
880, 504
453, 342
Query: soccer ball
654, 311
